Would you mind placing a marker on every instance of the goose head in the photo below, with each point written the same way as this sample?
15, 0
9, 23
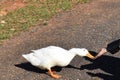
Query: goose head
82, 52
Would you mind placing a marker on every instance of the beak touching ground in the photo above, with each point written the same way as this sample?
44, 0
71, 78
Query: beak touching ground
90, 56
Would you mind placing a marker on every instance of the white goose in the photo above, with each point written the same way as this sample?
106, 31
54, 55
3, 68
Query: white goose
48, 57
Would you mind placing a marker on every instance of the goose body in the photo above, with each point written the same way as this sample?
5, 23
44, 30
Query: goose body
48, 57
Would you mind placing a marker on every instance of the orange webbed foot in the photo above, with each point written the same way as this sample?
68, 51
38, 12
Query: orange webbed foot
54, 75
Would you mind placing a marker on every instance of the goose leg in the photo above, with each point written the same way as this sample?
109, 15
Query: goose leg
53, 75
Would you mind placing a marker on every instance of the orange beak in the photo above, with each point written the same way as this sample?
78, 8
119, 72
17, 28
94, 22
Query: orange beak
90, 56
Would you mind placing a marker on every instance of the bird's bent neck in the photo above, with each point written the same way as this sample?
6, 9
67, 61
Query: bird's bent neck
72, 53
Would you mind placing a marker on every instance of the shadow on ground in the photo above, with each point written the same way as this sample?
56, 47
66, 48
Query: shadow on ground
108, 64
27, 66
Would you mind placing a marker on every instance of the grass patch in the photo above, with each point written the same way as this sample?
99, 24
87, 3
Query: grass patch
35, 11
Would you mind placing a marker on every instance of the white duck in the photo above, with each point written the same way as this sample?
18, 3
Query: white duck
48, 57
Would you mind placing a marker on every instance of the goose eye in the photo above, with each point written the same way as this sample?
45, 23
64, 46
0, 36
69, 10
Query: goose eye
84, 50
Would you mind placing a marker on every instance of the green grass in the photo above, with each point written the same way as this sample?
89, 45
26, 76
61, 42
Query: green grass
36, 11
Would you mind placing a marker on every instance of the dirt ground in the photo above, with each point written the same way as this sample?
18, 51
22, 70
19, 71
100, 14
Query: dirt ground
7, 6
92, 25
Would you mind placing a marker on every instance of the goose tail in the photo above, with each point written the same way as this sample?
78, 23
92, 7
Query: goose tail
31, 58
26, 56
